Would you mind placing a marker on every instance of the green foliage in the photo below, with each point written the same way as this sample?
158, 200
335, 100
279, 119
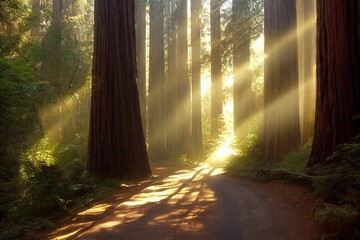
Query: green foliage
338, 183
250, 158
19, 123
339, 180
295, 161
24, 226
45, 188
339, 222
39, 176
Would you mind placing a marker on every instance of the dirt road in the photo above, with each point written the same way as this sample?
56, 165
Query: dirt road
198, 204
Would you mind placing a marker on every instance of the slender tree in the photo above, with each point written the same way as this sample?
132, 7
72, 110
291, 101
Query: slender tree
56, 28
116, 141
241, 62
338, 76
172, 81
156, 81
281, 97
141, 57
216, 74
183, 86
56, 64
35, 26
196, 127
306, 17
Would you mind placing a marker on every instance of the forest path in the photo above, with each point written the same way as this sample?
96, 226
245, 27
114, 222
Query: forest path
199, 203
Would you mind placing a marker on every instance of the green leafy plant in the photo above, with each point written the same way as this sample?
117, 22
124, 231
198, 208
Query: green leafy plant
338, 183
250, 157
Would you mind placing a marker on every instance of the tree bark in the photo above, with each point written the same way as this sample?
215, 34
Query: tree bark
35, 26
57, 35
196, 128
56, 64
306, 17
141, 57
281, 96
241, 63
172, 82
116, 141
216, 74
183, 95
156, 82
338, 73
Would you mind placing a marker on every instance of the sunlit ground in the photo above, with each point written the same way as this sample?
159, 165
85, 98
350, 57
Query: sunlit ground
169, 202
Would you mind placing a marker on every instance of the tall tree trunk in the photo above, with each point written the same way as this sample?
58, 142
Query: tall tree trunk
141, 57
338, 73
183, 95
172, 81
306, 17
156, 82
196, 128
56, 28
241, 64
216, 74
35, 26
56, 65
281, 126
116, 141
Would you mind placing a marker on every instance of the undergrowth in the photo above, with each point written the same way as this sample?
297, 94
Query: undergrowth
338, 184
249, 159
295, 161
52, 182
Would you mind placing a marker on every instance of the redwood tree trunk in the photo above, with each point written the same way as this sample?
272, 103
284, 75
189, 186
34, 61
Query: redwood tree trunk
281, 119
196, 133
56, 65
116, 140
216, 74
56, 28
156, 82
141, 57
172, 82
241, 62
338, 73
306, 17
35, 27
183, 91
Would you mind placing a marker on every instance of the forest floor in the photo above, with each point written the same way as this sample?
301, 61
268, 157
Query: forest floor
195, 203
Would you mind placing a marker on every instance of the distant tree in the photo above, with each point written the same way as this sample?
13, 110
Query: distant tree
172, 81
35, 25
242, 24
57, 35
156, 81
307, 59
216, 74
196, 133
338, 76
116, 141
281, 96
141, 57
183, 86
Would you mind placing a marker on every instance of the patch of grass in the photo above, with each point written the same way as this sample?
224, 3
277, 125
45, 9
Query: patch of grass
295, 161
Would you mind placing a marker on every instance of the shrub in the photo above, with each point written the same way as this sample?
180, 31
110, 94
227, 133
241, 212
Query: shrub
295, 161
250, 157
338, 183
